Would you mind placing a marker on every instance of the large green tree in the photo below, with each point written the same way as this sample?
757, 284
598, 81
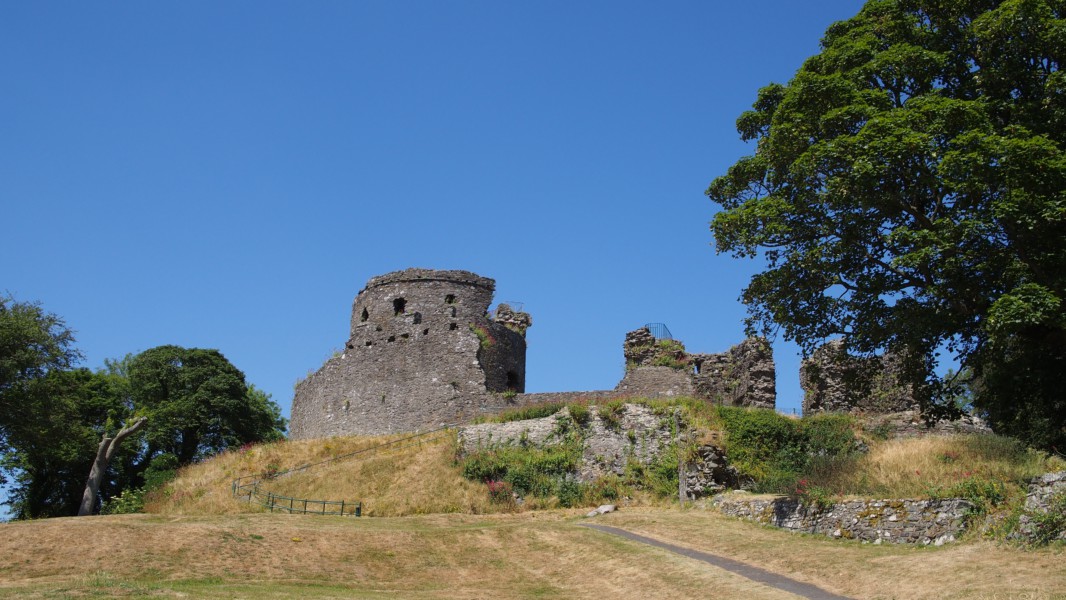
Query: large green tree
908, 192
33, 343
50, 455
198, 403
53, 416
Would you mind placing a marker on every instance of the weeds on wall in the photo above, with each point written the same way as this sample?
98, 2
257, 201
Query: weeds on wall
483, 336
611, 413
1047, 526
663, 353
523, 413
779, 452
529, 471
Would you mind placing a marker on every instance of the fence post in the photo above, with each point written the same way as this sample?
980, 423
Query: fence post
359, 509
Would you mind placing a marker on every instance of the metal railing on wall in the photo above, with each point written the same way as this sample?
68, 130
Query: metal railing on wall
660, 331
250, 487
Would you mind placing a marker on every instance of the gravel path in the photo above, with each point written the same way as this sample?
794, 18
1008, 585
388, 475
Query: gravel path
763, 576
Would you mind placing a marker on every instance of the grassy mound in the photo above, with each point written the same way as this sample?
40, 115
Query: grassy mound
404, 479
822, 457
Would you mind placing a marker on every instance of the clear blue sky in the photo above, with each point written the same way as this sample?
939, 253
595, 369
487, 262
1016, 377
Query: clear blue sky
229, 174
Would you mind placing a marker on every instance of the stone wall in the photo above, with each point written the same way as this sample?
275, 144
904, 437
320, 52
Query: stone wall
1041, 499
910, 424
742, 376
835, 381
421, 353
655, 382
564, 397
635, 433
877, 521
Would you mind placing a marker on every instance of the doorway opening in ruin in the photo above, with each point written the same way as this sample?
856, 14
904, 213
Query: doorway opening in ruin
398, 305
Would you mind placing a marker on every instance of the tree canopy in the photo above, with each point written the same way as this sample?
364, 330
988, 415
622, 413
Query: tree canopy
198, 403
53, 416
908, 192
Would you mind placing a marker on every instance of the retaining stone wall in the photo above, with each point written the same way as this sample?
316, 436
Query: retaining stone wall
1039, 500
639, 434
878, 521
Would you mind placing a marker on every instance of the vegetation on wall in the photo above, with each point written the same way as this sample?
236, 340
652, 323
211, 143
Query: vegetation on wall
779, 452
820, 459
661, 353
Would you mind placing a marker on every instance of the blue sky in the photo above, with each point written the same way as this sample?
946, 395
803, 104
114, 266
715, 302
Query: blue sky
229, 175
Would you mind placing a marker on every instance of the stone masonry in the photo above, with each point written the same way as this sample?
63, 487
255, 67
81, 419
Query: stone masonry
835, 381
637, 433
422, 352
1045, 497
878, 521
742, 376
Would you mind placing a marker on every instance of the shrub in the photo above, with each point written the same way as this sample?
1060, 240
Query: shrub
483, 336
500, 492
130, 501
777, 451
813, 495
985, 494
161, 469
530, 470
659, 476
604, 488
570, 492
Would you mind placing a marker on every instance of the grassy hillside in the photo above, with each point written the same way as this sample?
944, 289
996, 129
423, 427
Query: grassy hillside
201, 542
407, 477
403, 479
539, 554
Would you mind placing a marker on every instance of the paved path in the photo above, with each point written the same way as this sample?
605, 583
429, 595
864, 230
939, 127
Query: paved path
763, 576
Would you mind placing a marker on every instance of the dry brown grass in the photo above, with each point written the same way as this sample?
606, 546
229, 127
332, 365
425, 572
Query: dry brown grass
527, 555
271, 555
914, 467
410, 478
404, 479
974, 569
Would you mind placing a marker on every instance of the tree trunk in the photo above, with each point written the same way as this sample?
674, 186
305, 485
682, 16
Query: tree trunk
103, 458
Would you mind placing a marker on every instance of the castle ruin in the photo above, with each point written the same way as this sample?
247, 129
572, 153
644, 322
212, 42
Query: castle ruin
423, 352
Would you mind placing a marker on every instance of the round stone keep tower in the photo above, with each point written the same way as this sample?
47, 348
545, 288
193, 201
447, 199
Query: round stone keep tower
422, 352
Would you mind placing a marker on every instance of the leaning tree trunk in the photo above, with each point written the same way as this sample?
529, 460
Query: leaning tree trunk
103, 458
